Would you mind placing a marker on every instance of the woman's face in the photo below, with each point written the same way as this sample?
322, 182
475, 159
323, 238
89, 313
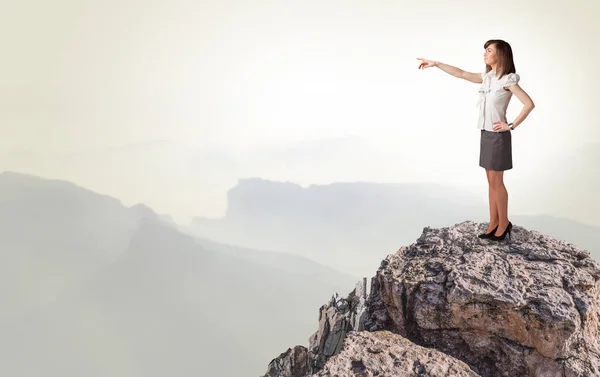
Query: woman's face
489, 55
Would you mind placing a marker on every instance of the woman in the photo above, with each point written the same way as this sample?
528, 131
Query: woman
498, 84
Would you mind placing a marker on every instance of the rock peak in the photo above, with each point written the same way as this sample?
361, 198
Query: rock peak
528, 306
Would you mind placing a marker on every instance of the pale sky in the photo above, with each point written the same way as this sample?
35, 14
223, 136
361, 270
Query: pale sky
238, 78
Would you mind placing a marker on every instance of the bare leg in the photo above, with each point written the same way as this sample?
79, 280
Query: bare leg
497, 178
493, 205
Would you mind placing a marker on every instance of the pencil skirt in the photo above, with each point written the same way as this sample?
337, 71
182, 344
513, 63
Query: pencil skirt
495, 150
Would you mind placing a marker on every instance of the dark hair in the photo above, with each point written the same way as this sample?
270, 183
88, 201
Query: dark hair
504, 53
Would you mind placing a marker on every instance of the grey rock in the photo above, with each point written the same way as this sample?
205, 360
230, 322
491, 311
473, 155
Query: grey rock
384, 353
528, 306
336, 319
292, 363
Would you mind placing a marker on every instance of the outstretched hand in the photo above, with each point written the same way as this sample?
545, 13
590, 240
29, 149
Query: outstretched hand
426, 63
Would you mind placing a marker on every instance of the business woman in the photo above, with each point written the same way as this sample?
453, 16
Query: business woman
498, 83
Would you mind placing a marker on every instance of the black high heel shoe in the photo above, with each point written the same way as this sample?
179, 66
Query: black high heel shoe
501, 237
488, 235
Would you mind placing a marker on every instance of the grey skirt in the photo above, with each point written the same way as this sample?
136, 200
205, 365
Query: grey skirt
495, 151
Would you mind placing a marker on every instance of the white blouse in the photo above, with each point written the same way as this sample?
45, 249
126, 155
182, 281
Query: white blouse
493, 99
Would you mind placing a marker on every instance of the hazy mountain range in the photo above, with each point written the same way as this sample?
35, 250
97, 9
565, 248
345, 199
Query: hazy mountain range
173, 175
93, 288
184, 180
567, 183
354, 225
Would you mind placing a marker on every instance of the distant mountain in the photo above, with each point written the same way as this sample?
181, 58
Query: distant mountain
170, 175
93, 288
568, 182
353, 225
347, 225
582, 235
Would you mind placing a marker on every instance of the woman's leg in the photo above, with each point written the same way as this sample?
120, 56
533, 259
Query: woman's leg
497, 179
493, 205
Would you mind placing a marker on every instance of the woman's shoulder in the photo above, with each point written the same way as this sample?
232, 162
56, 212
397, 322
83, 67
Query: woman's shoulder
511, 79
512, 76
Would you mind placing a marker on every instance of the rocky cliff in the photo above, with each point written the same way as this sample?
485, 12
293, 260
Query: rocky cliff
452, 304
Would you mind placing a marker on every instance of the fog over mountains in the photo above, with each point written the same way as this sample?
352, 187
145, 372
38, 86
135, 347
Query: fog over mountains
185, 181
94, 288
352, 226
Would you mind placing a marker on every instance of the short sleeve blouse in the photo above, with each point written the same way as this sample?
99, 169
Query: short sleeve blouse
494, 98
512, 79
